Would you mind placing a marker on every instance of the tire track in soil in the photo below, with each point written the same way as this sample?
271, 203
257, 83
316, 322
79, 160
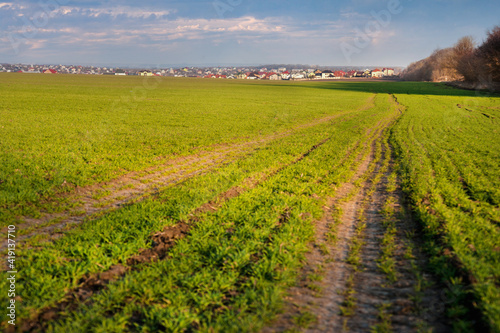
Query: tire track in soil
301, 298
134, 186
162, 242
371, 287
122, 194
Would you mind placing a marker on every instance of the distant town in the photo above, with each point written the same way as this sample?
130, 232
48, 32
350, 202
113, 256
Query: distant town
249, 73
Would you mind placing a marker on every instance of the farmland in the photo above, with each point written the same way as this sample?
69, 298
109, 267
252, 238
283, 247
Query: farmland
155, 204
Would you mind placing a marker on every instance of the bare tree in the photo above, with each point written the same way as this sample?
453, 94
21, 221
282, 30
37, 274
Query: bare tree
462, 60
436, 67
489, 52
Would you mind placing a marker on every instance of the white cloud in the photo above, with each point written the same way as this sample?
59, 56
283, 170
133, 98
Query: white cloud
114, 12
155, 33
381, 37
204, 28
350, 14
97, 29
36, 44
11, 6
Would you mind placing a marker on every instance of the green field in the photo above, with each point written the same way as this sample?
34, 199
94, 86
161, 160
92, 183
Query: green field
193, 202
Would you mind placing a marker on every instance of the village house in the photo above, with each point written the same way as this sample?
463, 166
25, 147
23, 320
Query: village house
351, 73
298, 76
388, 71
252, 76
274, 76
285, 75
377, 73
327, 74
339, 73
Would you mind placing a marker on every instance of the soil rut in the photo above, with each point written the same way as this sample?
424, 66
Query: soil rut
325, 306
335, 295
162, 242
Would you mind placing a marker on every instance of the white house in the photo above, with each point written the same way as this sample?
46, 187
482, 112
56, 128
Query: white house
298, 76
327, 74
252, 76
388, 71
377, 73
285, 75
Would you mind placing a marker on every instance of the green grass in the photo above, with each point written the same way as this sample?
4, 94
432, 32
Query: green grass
305, 319
231, 272
201, 266
85, 130
58, 266
386, 262
384, 324
450, 170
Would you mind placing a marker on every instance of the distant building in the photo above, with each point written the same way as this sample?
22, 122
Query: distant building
388, 71
351, 73
377, 73
50, 71
339, 73
285, 75
327, 74
274, 76
253, 76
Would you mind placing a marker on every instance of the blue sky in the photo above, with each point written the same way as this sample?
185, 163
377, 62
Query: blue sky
198, 32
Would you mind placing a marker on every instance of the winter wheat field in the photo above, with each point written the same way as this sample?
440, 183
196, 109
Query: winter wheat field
132, 204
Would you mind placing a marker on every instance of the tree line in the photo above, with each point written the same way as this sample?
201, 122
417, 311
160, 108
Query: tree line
465, 61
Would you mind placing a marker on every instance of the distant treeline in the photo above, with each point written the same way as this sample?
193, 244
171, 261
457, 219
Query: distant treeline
465, 61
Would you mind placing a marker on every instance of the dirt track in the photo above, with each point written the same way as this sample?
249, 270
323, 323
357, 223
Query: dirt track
343, 287
162, 242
